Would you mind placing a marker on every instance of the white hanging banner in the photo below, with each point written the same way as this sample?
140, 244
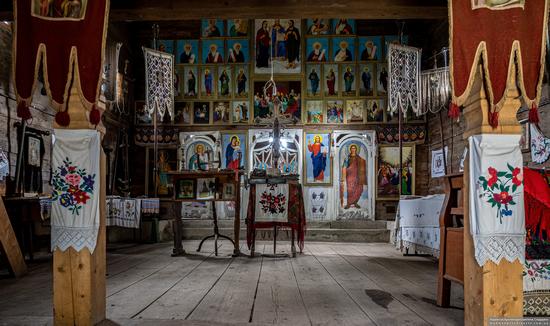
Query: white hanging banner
404, 83
497, 214
75, 189
159, 82
540, 145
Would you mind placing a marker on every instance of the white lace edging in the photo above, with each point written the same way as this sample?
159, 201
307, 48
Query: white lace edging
78, 238
496, 247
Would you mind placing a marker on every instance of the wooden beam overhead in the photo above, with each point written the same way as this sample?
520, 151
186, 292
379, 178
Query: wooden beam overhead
157, 10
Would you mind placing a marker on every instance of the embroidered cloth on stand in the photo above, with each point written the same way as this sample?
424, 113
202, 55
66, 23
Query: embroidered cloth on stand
149, 205
404, 84
123, 212
272, 202
540, 145
159, 83
497, 216
75, 193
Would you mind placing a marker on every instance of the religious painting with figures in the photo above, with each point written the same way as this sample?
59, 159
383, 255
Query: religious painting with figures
335, 111
221, 112
183, 113
388, 172
237, 27
317, 49
331, 80
185, 189
277, 42
241, 81
318, 26
165, 46
382, 79
240, 111
375, 110
367, 78
187, 51
237, 51
313, 77
208, 81
343, 26
370, 48
234, 150
349, 80
497, 4
343, 49
354, 171
355, 111
201, 113
70, 10
286, 104
199, 150
212, 28
314, 112
317, 159
224, 81
190, 82
213, 51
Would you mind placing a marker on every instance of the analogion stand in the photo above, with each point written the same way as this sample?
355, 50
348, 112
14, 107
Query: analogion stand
222, 177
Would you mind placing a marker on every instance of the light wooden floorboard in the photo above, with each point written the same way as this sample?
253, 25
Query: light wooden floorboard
330, 284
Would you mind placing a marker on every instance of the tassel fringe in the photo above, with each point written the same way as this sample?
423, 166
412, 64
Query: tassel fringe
23, 111
454, 111
62, 118
534, 114
493, 119
95, 116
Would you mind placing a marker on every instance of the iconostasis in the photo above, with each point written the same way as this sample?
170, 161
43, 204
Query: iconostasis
330, 99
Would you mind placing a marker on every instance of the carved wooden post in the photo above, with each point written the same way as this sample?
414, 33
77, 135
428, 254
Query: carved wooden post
79, 277
492, 290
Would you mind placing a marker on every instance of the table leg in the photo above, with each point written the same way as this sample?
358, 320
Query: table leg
292, 245
237, 220
274, 240
177, 226
253, 247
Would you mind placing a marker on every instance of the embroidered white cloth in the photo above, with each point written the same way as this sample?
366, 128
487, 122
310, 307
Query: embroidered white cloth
540, 145
159, 82
75, 189
497, 215
536, 287
123, 212
418, 223
271, 203
149, 205
404, 83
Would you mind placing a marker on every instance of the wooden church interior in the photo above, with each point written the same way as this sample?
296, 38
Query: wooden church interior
260, 170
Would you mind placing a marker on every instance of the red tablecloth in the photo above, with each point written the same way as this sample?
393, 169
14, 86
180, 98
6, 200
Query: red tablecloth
296, 215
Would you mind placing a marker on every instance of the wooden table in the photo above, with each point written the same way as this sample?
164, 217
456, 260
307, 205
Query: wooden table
222, 176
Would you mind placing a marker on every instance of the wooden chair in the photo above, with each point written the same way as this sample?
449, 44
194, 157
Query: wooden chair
451, 254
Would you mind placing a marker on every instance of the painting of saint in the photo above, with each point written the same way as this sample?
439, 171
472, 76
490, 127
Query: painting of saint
335, 111
240, 111
74, 9
330, 74
366, 87
375, 110
313, 80
178, 81
497, 4
187, 51
318, 49
314, 112
237, 51
198, 155
263, 108
224, 81
190, 82
318, 26
353, 174
382, 79
221, 113
277, 43
183, 113
388, 172
233, 151
166, 46
237, 27
370, 48
343, 49
207, 84
211, 28
344, 26
348, 80
162, 177
317, 159
201, 113
241, 81
355, 111
212, 51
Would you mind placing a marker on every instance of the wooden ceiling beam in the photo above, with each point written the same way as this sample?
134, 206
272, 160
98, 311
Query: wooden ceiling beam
165, 10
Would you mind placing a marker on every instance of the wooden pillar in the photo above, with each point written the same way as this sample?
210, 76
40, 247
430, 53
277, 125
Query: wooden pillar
79, 277
492, 290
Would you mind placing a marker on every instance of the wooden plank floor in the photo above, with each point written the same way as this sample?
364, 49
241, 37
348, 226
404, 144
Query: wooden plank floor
330, 284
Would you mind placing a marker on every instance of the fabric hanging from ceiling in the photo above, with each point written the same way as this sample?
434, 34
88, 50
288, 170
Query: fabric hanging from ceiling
73, 59
500, 37
159, 83
497, 216
435, 88
404, 83
75, 189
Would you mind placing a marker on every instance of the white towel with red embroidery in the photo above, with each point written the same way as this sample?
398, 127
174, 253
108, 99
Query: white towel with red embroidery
497, 214
271, 203
75, 189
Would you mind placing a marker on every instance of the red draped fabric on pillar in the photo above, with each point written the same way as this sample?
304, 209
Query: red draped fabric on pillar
537, 214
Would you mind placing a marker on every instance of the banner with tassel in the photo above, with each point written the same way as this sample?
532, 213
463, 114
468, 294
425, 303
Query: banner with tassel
65, 41
499, 37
